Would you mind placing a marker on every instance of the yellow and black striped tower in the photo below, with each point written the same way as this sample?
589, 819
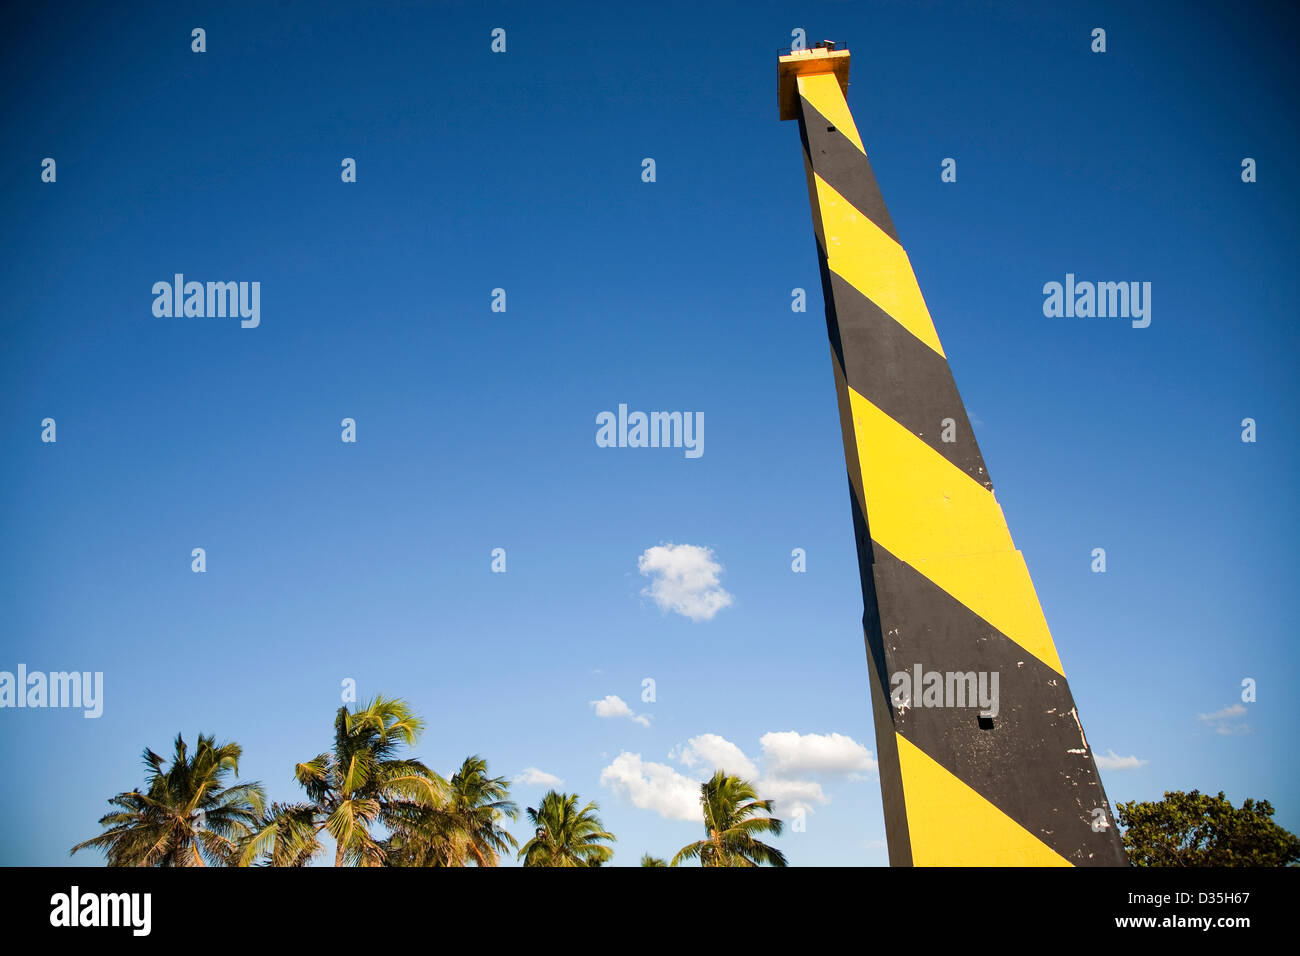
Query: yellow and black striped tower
949, 605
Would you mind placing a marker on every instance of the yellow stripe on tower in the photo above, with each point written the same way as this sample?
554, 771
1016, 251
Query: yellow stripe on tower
929, 513
867, 258
822, 90
949, 824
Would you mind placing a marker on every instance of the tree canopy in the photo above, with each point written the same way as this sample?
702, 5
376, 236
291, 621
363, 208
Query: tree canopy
1195, 829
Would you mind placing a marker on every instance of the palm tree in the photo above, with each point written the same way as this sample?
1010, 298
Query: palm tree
285, 836
648, 860
186, 815
730, 807
360, 783
463, 827
565, 835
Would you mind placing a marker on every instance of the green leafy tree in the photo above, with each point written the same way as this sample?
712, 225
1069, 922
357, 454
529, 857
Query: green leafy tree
732, 824
362, 782
1195, 829
186, 815
648, 860
564, 835
462, 828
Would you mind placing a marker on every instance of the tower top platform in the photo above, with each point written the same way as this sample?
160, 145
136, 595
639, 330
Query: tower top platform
823, 58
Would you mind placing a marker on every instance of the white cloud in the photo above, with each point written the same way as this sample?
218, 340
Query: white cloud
653, 786
532, 777
791, 753
615, 706
791, 795
1226, 721
1232, 710
710, 752
684, 579
1113, 761
789, 760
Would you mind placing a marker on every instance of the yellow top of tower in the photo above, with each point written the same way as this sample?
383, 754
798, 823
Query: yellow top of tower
823, 58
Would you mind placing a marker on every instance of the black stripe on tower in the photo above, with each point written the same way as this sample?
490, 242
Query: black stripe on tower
844, 167
898, 373
1031, 760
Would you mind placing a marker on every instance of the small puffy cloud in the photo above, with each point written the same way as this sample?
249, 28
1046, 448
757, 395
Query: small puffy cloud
532, 777
1228, 720
710, 752
1113, 761
653, 786
684, 579
788, 753
1228, 713
615, 706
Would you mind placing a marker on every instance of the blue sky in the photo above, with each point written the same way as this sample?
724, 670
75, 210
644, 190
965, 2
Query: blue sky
476, 429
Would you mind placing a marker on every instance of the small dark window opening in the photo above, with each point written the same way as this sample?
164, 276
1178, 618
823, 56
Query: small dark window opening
830, 129
986, 723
